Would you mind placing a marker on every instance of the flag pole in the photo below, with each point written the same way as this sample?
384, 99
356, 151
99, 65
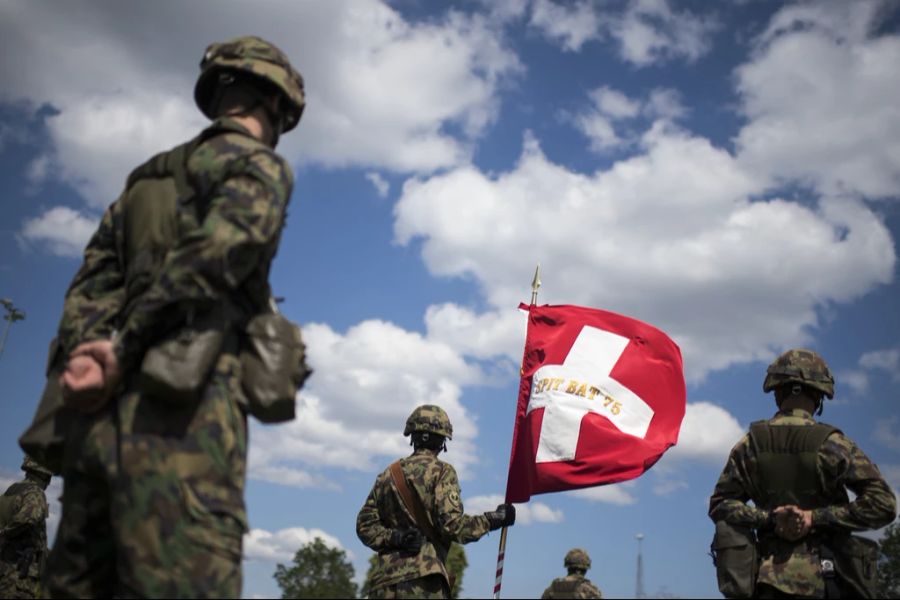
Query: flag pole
501, 553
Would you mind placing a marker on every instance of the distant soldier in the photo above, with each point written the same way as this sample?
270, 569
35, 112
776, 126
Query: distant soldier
575, 584
155, 463
797, 473
23, 533
414, 512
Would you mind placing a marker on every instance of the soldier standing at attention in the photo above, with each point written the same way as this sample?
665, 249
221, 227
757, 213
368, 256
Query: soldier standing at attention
23, 533
414, 512
575, 584
153, 501
797, 473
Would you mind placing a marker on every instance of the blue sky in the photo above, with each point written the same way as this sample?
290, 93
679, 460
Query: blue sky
725, 171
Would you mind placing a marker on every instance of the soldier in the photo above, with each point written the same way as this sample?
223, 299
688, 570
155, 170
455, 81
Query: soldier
153, 503
797, 473
23, 533
575, 584
414, 513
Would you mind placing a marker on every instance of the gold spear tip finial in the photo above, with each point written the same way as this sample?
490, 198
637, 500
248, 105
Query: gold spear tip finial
535, 284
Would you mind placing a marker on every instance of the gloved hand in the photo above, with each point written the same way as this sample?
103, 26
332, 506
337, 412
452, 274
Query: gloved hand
408, 541
504, 516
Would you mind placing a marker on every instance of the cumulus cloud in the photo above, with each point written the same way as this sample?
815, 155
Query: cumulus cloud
61, 230
609, 122
281, 545
381, 185
372, 376
526, 514
374, 95
708, 433
611, 494
571, 23
671, 235
651, 31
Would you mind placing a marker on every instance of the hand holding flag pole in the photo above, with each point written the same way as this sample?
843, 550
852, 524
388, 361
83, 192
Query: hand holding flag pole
535, 285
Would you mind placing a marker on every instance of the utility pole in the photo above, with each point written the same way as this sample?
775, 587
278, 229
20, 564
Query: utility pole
12, 315
639, 585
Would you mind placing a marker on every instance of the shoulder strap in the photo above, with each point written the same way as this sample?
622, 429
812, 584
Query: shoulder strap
413, 504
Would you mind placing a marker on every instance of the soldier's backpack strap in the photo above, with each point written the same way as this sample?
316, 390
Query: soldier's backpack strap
413, 504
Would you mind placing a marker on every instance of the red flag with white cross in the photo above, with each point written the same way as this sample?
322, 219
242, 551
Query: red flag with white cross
601, 398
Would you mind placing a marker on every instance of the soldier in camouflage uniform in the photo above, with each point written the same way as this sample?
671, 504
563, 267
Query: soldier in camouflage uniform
575, 584
408, 563
23, 533
153, 504
797, 473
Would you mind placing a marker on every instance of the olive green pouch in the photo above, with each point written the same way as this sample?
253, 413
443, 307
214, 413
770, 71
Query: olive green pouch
273, 366
45, 438
856, 563
176, 369
736, 559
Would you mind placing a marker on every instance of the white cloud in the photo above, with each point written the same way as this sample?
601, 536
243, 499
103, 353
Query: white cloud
372, 376
63, 231
611, 494
526, 513
651, 32
824, 121
605, 123
281, 545
381, 185
570, 23
381, 91
882, 360
857, 380
708, 433
669, 236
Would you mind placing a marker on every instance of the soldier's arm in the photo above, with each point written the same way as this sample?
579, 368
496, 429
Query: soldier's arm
96, 295
451, 520
369, 528
241, 226
875, 506
729, 499
31, 510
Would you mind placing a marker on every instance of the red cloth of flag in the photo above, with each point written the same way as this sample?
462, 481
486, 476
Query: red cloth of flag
601, 398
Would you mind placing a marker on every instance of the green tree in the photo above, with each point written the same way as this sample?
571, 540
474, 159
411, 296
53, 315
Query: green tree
318, 572
889, 563
456, 565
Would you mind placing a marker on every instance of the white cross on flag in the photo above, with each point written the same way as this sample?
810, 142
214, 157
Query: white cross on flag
601, 398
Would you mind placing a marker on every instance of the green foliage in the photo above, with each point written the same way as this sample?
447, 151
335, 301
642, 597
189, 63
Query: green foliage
456, 565
317, 572
889, 563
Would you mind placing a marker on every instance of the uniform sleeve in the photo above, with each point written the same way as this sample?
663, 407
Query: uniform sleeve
31, 510
451, 520
548, 593
369, 528
593, 591
96, 296
242, 226
729, 499
841, 460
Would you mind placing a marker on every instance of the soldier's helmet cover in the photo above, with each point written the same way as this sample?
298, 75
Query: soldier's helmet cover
253, 56
29, 465
800, 366
576, 558
430, 418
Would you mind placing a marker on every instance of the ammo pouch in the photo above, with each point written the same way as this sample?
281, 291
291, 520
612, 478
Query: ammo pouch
736, 559
176, 369
45, 438
273, 366
856, 563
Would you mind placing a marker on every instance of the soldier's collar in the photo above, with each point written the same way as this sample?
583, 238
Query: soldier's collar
794, 412
225, 123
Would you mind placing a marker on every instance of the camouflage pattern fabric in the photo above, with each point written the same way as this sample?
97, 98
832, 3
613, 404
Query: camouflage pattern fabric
437, 485
433, 586
153, 503
572, 586
793, 567
23, 540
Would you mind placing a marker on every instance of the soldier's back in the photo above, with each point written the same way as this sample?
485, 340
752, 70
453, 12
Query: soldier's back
572, 586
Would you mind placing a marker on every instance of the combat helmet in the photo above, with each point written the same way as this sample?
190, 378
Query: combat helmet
256, 57
430, 418
29, 465
800, 366
576, 558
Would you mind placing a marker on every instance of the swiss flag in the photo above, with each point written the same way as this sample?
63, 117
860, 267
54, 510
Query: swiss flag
601, 398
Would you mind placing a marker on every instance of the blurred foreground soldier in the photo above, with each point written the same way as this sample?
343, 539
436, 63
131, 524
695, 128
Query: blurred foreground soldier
414, 512
575, 584
154, 464
23, 533
794, 540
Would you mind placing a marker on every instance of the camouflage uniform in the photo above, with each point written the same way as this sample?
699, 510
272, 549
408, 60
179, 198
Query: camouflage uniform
572, 586
153, 503
793, 568
423, 575
23, 536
